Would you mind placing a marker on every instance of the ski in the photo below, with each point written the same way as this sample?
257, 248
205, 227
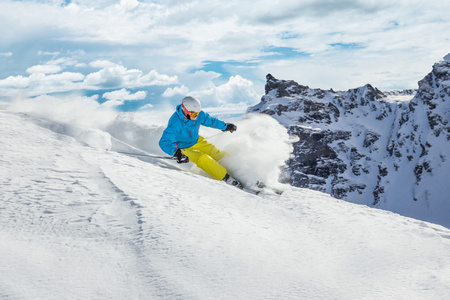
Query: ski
252, 191
262, 186
146, 155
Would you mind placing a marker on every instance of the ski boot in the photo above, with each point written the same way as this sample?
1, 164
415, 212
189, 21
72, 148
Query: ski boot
231, 181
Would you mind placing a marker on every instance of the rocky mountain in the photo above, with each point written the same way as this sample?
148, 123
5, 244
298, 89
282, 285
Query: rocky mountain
385, 149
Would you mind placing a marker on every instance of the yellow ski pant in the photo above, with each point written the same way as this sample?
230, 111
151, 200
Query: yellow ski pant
205, 155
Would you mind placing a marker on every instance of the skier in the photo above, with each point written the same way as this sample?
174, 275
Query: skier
182, 140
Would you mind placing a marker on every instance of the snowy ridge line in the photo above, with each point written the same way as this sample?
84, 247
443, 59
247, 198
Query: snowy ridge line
359, 146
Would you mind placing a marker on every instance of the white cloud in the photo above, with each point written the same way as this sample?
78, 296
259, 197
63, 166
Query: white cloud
123, 94
178, 90
44, 69
129, 4
116, 98
115, 76
41, 83
147, 106
40, 52
14, 82
399, 38
201, 84
235, 90
154, 78
6, 54
102, 64
47, 78
66, 62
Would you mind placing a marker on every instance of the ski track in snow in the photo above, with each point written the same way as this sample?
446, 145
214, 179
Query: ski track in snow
79, 223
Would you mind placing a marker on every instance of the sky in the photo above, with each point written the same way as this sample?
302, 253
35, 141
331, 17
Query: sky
147, 55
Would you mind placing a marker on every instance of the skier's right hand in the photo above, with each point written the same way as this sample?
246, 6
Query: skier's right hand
181, 158
230, 127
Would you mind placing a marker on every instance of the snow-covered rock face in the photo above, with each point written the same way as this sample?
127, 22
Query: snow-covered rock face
447, 58
369, 146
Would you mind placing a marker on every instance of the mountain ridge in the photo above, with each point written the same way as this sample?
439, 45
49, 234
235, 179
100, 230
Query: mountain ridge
365, 146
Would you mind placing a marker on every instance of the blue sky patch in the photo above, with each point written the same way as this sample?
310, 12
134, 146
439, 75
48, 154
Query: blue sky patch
347, 46
287, 35
225, 68
287, 52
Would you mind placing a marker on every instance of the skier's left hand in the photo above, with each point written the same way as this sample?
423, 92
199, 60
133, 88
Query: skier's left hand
181, 158
230, 127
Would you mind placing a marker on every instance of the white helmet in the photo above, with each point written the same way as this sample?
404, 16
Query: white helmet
191, 104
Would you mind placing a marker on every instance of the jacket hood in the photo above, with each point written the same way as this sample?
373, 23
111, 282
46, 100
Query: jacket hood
180, 113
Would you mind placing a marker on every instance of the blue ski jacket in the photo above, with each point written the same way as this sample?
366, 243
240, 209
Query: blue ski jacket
183, 133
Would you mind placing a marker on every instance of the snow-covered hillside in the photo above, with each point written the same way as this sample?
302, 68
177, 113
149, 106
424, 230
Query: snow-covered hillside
79, 222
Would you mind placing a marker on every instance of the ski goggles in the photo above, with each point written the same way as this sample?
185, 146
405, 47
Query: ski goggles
192, 114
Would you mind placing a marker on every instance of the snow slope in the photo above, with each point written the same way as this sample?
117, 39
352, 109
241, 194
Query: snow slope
78, 222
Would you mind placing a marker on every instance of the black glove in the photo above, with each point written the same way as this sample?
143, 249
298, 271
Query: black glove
181, 158
230, 127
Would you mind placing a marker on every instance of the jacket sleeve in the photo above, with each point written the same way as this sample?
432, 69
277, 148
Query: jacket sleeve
212, 122
168, 142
